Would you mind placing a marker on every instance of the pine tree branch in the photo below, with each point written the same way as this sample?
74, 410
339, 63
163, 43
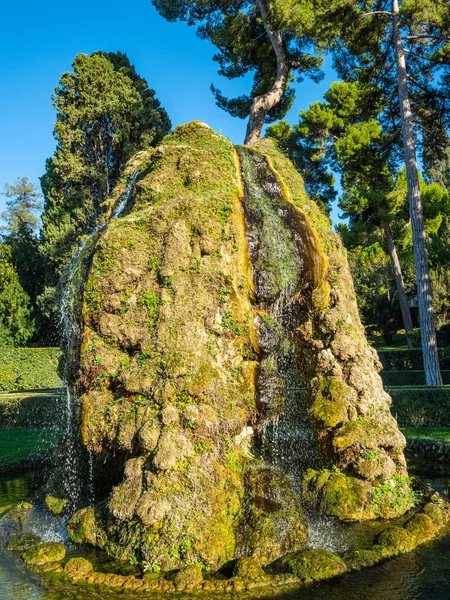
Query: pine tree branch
429, 37
419, 56
376, 12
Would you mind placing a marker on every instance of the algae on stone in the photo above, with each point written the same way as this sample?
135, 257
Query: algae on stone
314, 564
166, 373
184, 299
23, 541
43, 553
55, 505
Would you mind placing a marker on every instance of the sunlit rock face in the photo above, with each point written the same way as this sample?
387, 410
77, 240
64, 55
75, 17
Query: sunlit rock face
222, 275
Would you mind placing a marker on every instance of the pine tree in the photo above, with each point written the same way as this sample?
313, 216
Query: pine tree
254, 36
22, 215
16, 323
19, 235
105, 113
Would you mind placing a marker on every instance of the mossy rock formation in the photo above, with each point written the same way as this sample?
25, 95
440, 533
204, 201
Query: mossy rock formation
193, 303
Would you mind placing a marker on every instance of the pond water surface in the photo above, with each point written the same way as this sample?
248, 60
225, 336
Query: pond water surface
423, 574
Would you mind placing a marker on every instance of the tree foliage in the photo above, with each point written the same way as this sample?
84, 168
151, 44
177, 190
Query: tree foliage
16, 323
105, 113
22, 209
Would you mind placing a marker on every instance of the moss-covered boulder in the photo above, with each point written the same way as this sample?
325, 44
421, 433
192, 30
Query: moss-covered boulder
190, 576
421, 527
85, 527
397, 539
77, 567
274, 523
44, 553
222, 272
248, 568
314, 564
23, 541
55, 505
350, 498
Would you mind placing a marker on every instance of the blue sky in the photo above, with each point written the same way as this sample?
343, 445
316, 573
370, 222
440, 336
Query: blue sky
41, 38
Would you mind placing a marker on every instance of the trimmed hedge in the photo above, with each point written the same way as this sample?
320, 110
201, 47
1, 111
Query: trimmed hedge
28, 368
45, 409
401, 360
409, 378
421, 406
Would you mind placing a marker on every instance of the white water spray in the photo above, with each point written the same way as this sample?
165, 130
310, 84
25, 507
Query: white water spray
70, 288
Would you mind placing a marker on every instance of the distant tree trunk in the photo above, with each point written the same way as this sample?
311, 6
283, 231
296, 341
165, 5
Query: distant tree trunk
424, 292
406, 313
262, 104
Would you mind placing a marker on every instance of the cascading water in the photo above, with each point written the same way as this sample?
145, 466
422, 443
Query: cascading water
277, 255
70, 290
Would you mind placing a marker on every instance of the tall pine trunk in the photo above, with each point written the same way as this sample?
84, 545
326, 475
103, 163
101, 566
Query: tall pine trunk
262, 104
424, 292
404, 306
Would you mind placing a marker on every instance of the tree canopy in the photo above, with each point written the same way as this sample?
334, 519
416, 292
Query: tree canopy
105, 113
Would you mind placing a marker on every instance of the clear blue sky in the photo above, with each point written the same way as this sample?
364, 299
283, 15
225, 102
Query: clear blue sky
39, 40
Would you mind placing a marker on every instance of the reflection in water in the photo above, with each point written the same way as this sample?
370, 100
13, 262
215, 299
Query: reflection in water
421, 575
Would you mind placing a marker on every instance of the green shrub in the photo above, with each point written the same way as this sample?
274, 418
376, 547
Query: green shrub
28, 368
421, 406
401, 360
409, 378
31, 410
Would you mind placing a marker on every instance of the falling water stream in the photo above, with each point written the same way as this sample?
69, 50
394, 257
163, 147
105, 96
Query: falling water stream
278, 257
70, 290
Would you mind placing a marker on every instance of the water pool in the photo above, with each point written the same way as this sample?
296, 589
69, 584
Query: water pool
421, 575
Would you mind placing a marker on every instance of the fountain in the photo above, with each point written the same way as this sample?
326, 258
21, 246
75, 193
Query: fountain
222, 397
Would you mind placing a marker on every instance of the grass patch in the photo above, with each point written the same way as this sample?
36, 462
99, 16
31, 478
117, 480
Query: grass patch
398, 342
438, 434
18, 443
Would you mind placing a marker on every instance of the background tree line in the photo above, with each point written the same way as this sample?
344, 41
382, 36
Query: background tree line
105, 112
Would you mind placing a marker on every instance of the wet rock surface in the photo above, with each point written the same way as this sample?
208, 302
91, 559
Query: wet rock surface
177, 363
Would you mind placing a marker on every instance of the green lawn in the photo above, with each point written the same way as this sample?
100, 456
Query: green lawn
18, 443
398, 342
427, 433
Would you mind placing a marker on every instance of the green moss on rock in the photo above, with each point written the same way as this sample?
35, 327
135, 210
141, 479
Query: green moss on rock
77, 567
314, 564
172, 365
55, 505
43, 553
359, 559
333, 402
23, 541
84, 528
338, 495
190, 575
248, 568
421, 527
273, 516
397, 539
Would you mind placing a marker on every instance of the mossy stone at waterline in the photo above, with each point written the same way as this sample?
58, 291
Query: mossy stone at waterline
314, 564
55, 505
24, 541
43, 553
176, 371
78, 566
